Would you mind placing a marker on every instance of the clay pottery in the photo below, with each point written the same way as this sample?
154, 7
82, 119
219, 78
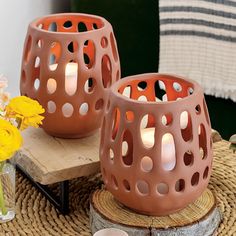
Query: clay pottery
156, 146
69, 63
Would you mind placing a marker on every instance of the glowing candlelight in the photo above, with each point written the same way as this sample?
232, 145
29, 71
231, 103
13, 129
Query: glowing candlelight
168, 147
168, 155
71, 72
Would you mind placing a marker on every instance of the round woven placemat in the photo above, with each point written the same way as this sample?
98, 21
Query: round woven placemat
36, 216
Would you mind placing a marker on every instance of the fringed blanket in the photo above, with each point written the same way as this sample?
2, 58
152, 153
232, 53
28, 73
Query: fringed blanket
198, 41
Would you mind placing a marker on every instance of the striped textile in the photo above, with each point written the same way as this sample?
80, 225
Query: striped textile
198, 41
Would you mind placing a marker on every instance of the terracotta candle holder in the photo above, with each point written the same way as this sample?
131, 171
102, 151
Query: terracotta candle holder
156, 147
69, 62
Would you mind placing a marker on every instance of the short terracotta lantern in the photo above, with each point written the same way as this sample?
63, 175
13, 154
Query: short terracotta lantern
69, 62
156, 147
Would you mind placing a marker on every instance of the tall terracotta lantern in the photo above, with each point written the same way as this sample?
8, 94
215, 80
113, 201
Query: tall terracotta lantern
69, 63
156, 146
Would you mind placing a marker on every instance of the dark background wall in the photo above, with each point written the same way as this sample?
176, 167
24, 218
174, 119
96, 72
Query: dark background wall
136, 27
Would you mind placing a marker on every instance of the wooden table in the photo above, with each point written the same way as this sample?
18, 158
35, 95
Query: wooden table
46, 160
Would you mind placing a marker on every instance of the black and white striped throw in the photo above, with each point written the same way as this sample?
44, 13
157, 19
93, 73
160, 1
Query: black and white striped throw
198, 41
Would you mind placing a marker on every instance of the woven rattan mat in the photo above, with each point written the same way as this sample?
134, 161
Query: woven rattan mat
36, 216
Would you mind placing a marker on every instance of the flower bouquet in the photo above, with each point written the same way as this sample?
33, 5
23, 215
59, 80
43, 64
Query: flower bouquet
15, 114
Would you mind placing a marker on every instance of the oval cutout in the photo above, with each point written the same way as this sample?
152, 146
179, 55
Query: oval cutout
162, 85
144, 122
177, 87
162, 188
54, 55
83, 110
73, 46
67, 24
82, 27
146, 164
127, 148
115, 122
190, 91
167, 119
129, 116
67, 110
168, 153
126, 185
188, 158
36, 84
89, 53
195, 179
184, 120
51, 85
205, 174
111, 154
104, 42
99, 104
142, 98
180, 185
202, 141
142, 85
186, 126
127, 91
106, 71
51, 107
143, 187
124, 148
37, 62
89, 85
71, 73
148, 137
53, 27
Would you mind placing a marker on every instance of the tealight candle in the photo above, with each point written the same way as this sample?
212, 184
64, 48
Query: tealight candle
110, 232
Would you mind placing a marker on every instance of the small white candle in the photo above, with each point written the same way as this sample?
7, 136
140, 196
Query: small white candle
71, 72
168, 155
168, 148
111, 232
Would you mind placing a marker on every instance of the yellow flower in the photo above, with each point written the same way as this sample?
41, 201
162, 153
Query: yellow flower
26, 110
10, 140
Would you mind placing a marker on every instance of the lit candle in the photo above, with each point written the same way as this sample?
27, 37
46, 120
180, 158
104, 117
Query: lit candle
110, 232
168, 148
71, 72
168, 155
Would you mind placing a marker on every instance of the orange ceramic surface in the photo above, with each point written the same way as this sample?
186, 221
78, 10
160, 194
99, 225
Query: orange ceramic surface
156, 155
69, 62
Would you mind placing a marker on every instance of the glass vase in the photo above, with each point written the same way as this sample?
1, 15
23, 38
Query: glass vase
7, 191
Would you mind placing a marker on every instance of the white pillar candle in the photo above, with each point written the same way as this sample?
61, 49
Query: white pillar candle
168, 148
168, 154
111, 232
71, 72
